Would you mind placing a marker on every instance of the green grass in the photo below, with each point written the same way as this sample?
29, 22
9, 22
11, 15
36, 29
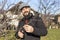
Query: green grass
9, 36
53, 34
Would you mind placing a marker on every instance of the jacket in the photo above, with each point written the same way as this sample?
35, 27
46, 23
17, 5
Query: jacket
39, 29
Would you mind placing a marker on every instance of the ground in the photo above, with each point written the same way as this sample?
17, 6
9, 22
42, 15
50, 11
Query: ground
53, 34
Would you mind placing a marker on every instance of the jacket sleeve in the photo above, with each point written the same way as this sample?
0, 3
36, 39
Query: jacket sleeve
16, 34
18, 29
39, 27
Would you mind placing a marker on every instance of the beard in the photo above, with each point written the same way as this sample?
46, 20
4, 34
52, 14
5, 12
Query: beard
28, 15
25, 14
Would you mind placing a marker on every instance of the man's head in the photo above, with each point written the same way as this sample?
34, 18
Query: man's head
25, 9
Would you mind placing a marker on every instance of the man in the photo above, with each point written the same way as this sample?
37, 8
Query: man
32, 27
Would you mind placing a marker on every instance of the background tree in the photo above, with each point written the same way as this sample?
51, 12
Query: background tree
46, 7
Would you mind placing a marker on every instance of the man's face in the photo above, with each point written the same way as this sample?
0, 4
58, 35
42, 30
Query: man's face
25, 11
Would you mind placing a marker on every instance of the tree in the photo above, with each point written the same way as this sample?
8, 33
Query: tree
3, 4
46, 7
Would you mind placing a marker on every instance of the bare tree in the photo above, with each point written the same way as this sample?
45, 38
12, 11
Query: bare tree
3, 4
10, 5
28, 1
47, 8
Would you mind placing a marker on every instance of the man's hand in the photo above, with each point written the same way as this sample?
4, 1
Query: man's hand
28, 28
20, 34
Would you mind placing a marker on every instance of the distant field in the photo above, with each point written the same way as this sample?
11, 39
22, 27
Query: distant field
53, 34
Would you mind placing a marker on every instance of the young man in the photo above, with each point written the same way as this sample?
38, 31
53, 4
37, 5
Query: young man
32, 27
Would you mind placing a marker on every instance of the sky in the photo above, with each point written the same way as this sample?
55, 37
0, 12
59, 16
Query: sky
33, 3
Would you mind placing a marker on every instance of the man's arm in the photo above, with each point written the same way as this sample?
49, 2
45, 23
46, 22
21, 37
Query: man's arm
39, 27
19, 31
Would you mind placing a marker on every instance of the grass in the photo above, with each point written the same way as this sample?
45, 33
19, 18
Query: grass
53, 34
10, 35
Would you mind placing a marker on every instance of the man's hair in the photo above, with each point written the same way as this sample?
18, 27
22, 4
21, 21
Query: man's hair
25, 7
